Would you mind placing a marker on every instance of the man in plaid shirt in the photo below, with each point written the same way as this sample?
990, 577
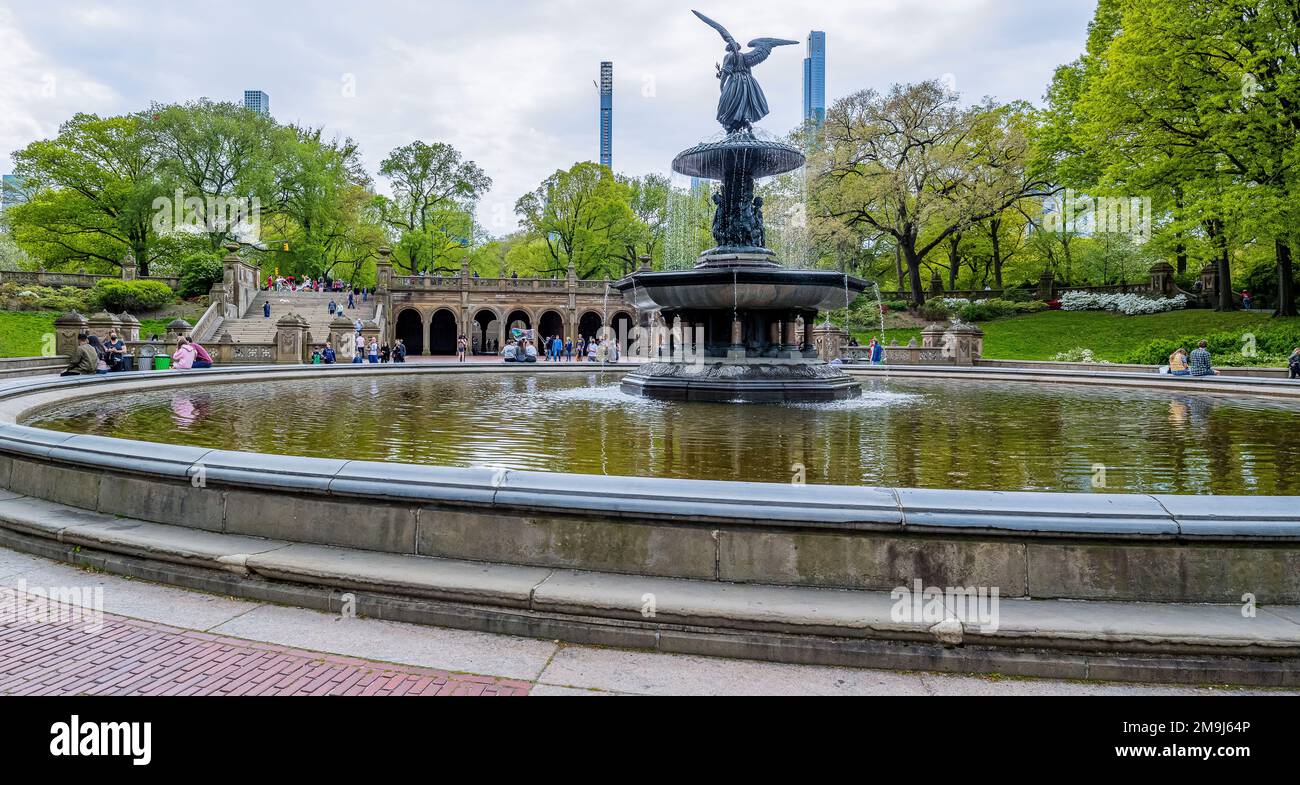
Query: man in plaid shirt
1200, 361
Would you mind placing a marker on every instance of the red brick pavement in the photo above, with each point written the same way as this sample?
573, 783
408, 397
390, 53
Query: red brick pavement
132, 657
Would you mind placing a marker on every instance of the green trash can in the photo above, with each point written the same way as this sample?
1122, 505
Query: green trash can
162, 362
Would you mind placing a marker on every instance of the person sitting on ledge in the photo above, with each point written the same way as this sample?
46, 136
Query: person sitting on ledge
508, 354
201, 357
1200, 363
530, 352
84, 360
1178, 363
183, 357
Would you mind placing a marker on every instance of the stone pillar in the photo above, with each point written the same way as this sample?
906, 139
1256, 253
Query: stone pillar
809, 345
967, 343
1209, 280
426, 329
225, 350
383, 271
290, 339
341, 336
936, 283
791, 343
130, 270
101, 324
130, 327
829, 340
1046, 286
178, 328
1162, 279
66, 329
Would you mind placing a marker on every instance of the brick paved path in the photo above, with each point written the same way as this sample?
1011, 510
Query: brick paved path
131, 657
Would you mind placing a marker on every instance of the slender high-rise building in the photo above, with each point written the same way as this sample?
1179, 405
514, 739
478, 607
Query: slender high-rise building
814, 78
258, 101
607, 113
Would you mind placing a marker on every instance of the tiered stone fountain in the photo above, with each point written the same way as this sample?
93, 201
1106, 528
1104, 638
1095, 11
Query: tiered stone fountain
742, 323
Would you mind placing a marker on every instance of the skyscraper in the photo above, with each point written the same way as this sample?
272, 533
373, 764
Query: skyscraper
13, 190
258, 101
814, 78
607, 113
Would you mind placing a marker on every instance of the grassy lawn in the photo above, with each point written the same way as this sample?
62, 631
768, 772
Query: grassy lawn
1110, 336
22, 333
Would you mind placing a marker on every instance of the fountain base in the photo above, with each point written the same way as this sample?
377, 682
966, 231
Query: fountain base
749, 380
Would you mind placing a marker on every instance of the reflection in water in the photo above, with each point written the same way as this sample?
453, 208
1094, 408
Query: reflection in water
905, 433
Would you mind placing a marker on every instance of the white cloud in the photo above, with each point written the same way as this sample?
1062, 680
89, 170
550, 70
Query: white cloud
508, 82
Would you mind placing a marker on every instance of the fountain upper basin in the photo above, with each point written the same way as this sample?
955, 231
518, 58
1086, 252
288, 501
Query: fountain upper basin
742, 287
757, 157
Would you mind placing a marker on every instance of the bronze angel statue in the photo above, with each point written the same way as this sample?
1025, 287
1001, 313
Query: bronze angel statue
742, 102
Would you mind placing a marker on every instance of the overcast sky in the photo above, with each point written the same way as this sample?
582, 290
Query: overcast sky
508, 82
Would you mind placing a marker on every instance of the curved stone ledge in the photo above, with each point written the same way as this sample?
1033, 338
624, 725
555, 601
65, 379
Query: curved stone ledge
1040, 545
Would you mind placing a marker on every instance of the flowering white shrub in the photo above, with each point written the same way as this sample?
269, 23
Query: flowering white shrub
1126, 304
1079, 354
954, 302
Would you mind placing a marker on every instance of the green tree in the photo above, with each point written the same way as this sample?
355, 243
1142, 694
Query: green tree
584, 215
432, 210
92, 193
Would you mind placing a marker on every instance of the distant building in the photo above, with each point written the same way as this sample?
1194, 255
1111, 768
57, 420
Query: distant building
814, 78
607, 113
258, 101
13, 190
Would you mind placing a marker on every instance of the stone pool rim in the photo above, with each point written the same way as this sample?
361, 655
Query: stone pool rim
1049, 545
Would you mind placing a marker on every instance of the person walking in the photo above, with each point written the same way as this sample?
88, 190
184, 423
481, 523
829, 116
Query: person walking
359, 353
84, 359
266, 310
461, 346
351, 303
399, 351
333, 307
328, 354
568, 348
1294, 363
372, 351
385, 354
1201, 364
1245, 300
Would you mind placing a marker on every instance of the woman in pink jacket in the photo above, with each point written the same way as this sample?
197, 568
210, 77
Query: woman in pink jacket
183, 359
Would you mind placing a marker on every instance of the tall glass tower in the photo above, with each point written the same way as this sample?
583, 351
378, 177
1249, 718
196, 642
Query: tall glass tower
607, 113
258, 101
814, 78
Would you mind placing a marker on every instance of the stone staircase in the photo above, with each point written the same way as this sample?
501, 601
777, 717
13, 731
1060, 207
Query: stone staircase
253, 327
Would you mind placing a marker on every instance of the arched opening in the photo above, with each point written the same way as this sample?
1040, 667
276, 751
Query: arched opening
622, 324
518, 320
550, 323
442, 332
410, 328
484, 339
589, 325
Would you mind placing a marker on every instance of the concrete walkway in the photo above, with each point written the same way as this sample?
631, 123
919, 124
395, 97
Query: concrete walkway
236, 643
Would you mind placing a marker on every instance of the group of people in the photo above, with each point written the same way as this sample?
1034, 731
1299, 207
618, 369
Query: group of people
1200, 363
288, 283
371, 351
95, 356
556, 348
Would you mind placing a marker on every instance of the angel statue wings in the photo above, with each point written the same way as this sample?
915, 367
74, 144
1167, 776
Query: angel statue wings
742, 102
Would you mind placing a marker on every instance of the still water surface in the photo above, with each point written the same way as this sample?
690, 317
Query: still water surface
901, 433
